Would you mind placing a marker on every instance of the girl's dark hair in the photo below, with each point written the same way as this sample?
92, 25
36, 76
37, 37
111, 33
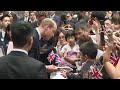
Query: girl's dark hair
58, 32
69, 34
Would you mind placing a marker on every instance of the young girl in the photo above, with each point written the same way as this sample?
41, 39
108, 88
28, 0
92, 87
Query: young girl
70, 52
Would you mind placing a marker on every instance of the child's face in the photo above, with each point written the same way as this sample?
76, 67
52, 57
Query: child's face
83, 57
71, 40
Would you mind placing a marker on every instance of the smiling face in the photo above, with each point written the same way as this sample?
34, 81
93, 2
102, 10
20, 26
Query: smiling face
61, 38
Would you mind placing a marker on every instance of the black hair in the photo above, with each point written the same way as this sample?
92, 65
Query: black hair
14, 15
100, 15
5, 15
8, 28
84, 37
80, 14
20, 32
41, 15
89, 49
7, 35
69, 34
58, 32
63, 20
82, 25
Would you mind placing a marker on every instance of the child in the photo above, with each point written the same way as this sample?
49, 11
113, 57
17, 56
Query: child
88, 57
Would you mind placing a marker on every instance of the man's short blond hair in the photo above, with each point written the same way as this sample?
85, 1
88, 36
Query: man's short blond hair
48, 21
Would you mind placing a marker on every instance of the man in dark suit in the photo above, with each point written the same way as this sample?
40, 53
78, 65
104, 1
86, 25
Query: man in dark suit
17, 64
45, 30
25, 17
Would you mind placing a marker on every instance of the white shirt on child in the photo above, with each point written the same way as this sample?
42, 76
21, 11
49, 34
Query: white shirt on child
67, 48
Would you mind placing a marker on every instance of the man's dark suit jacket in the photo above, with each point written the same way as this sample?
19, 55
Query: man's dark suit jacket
18, 65
35, 49
34, 24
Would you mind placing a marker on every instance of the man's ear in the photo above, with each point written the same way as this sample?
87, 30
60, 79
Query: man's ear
46, 27
30, 41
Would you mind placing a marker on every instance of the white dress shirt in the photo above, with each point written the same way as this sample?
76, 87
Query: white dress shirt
21, 50
26, 19
33, 20
3, 34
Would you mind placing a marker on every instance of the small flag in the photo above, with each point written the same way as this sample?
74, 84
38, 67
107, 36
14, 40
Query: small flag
51, 56
96, 74
57, 59
113, 59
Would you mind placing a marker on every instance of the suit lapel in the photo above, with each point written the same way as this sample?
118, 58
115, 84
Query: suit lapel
35, 34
